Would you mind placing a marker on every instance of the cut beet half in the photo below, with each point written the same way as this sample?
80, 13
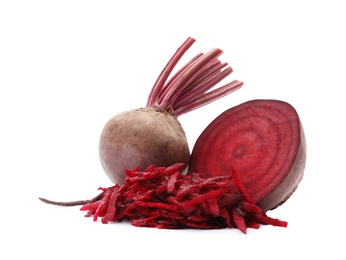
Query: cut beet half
263, 141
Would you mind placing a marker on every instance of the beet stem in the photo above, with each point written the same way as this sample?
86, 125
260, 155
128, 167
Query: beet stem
159, 84
209, 97
187, 89
182, 81
205, 85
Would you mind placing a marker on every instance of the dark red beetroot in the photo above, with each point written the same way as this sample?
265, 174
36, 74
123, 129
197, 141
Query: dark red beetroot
263, 140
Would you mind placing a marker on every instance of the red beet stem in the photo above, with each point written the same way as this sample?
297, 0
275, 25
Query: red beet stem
209, 97
159, 84
188, 88
209, 77
187, 76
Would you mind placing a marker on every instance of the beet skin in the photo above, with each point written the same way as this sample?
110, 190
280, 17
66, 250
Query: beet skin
141, 137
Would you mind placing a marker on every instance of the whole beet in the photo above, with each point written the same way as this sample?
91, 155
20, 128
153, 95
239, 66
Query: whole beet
153, 135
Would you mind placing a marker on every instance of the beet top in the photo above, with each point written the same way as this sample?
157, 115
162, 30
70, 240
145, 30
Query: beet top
263, 140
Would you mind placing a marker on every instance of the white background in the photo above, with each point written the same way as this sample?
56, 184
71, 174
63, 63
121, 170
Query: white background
67, 66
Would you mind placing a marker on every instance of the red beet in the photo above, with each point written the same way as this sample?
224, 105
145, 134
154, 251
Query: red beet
153, 135
263, 140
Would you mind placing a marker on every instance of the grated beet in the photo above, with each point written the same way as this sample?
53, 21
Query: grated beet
163, 198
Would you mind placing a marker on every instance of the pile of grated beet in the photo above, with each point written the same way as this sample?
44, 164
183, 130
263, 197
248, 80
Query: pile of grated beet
162, 197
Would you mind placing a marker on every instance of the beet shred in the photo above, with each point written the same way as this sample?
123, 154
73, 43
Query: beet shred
161, 197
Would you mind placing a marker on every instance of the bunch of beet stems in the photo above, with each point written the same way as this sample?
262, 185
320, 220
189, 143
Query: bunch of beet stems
162, 197
188, 88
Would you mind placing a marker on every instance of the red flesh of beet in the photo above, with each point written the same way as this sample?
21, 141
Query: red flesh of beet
263, 140
163, 198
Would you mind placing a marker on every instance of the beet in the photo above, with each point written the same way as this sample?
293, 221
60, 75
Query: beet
263, 140
153, 134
